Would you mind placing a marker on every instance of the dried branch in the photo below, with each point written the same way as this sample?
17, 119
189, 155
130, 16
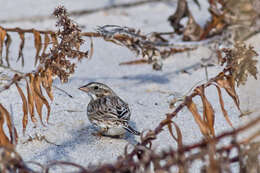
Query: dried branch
56, 62
153, 48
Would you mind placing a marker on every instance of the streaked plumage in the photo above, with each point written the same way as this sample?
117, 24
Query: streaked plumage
107, 111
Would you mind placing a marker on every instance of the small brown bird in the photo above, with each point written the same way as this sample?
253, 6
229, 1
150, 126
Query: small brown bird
107, 111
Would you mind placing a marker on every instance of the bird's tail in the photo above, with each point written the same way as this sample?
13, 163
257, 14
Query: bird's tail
131, 130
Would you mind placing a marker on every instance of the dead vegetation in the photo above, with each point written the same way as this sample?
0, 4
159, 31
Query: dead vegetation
64, 46
240, 16
57, 62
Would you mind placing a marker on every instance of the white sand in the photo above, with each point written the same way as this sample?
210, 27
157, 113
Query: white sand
70, 129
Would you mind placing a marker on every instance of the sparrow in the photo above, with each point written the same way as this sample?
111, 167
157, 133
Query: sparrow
107, 111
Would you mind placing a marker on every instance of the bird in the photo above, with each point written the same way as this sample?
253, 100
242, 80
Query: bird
107, 111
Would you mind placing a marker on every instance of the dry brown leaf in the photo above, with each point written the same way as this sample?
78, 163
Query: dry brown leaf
8, 42
2, 38
47, 83
228, 83
54, 39
216, 24
46, 42
37, 101
193, 109
179, 135
21, 34
25, 107
11, 128
4, 141
29, 88
37, 45
40, 98
222, 106
168, 121
208, 111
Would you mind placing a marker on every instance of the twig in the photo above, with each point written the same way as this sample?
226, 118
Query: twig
12, 124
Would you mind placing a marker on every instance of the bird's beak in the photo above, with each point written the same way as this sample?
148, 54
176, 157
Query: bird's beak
85, 89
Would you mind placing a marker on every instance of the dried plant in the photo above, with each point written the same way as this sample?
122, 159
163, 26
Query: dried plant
239, 15
58, 61
153, 48
239, 63
215, 158
55, 62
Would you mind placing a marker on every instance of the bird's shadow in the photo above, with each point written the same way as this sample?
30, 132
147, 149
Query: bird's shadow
82, 135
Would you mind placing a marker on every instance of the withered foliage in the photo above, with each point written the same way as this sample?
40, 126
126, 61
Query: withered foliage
241, 16
142, 158
57, 61
152, 48
239, 63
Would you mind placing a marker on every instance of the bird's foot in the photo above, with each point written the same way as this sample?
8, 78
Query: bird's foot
97, 134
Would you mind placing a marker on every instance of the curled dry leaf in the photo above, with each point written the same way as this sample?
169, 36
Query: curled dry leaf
12, 130
8, 42
37, 45
179, 135
30, 98
222, 106
228, 83
2, 38
47, 83
40, 99
168, 121
197, 117
25, 107
208, 112
37, 101
46, 42
4, 141
20, 55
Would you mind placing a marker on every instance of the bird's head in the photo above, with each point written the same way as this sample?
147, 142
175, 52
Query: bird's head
96, 90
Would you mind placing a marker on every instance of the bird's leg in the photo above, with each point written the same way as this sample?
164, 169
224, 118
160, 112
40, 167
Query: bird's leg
98, 134
121, 136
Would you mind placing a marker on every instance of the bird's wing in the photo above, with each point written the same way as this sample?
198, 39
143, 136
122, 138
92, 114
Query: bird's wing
109, 107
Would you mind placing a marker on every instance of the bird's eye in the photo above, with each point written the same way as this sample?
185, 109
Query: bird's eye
95, 87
